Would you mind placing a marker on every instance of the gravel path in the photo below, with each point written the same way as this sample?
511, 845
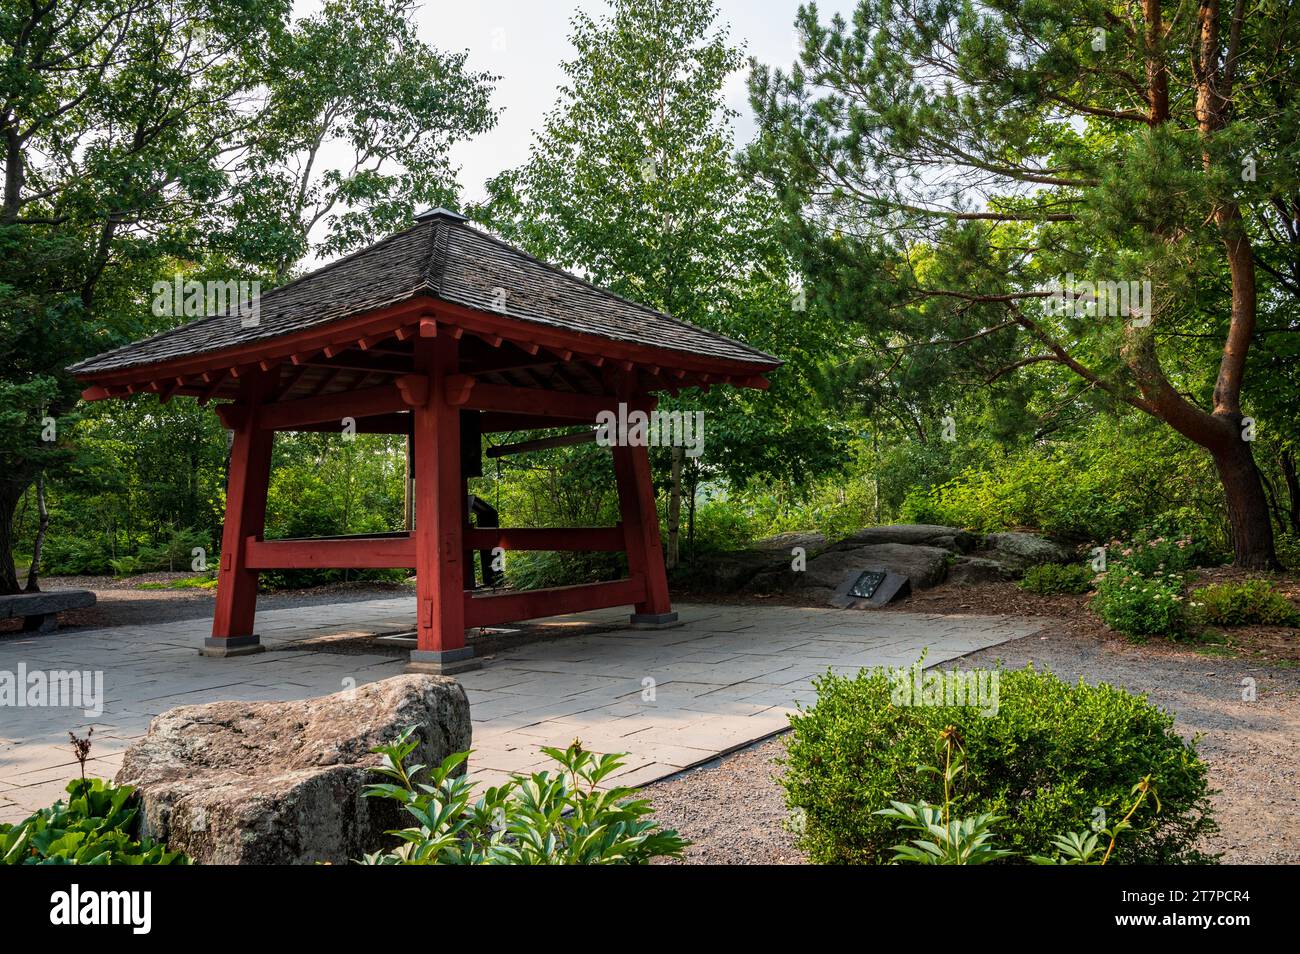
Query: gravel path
733, 812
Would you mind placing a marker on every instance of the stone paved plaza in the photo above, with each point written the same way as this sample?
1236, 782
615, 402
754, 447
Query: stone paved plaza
669, 698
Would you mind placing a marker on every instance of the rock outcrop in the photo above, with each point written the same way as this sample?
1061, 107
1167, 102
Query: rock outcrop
281, 782
927, 554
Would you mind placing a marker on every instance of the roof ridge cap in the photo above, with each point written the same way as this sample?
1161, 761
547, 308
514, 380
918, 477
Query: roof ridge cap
435, 266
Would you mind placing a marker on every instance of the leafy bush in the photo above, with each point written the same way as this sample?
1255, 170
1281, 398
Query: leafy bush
1287, 546
95, 826
67, 556
1053, 578
944, 839
1241, 604
1139, 606
175, 552
549, 818
1095, 488
1150, 553
1052, 755
533, 569
125, 566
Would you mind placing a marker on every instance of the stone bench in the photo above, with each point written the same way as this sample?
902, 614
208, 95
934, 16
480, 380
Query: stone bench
39, 611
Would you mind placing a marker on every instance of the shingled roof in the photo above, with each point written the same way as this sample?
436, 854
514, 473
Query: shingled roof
444, 258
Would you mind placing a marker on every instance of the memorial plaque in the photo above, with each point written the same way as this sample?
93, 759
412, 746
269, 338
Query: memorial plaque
870, 587
865, 586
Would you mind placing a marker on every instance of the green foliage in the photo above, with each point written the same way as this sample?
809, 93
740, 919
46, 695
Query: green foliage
197, 581
1150, 553
632, 180
209, 139
1097, 486
957, 841
945, 839
948, 840
873, 138
1242, 604
548, 818
1052, 755
125, 566
355, 82
1138, 605
65, 555
1083, 847
1051, 578
1288, 550
95, 826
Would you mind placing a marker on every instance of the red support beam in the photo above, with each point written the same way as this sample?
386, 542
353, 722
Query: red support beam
250, 471
555, 601
362, 553
645, 557
366, 402
440, 607
557, 404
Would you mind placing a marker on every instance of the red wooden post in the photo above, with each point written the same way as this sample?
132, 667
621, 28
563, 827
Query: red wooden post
250, 472
645, 557
439, 512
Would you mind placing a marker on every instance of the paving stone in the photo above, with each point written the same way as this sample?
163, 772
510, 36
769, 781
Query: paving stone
728, 676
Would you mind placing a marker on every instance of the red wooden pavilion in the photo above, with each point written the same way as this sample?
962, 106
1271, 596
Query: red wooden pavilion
443, 333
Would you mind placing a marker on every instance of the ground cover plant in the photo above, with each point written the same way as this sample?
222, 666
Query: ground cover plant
97, 824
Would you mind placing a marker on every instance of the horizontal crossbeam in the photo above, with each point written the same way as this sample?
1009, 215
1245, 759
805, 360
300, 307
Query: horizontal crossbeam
485, 610
359, 553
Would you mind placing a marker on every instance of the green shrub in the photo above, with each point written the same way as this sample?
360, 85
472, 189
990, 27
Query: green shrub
559, 818
1120, 476
68, 556
1287, 546
1051, 756
534, 569
176, 551
1241, 604
95, 826
942, 838
1054, 578
1139, 606
125, 566
1150, 553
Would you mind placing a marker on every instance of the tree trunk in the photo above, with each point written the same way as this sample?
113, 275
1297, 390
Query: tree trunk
33, 571
694, 484
675, 509
8, 507
1252, 530
1292, 489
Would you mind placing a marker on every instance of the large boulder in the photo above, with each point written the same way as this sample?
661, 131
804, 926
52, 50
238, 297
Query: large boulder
281, 782
972, 571
914, 534
810, 540
1022, 550
730, 572
924, 566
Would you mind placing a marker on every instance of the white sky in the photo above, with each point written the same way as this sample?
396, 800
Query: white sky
524, 41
